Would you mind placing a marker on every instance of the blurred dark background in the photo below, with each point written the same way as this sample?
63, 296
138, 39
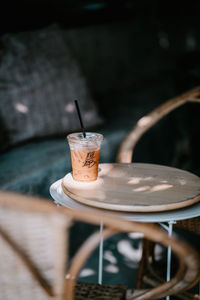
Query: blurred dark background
134, 55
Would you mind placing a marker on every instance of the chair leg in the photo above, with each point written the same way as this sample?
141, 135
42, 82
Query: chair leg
147, 252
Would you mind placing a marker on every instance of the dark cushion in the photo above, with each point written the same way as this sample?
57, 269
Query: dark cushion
33, 167
39, 81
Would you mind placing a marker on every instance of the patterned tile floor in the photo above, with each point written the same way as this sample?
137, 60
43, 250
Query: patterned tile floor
121, 258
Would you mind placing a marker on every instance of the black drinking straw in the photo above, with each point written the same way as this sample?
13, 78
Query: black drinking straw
80, 118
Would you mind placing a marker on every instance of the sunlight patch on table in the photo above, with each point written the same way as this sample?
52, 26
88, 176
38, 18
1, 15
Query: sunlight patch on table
152, 189
137, 180
161, 187
142, 188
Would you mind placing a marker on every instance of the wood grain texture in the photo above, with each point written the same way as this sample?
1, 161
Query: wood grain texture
136, 187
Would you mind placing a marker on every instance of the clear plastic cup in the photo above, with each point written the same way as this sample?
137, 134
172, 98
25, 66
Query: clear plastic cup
85, 155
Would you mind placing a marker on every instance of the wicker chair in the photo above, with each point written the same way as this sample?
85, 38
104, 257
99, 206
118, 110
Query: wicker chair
33, 253
125, 155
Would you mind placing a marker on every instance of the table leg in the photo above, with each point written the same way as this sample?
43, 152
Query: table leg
169, 229
100, 255
169, 253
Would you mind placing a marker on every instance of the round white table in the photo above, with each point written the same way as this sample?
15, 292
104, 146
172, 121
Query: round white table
61, 198
162, 217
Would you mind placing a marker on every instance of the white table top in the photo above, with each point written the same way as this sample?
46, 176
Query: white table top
154, 217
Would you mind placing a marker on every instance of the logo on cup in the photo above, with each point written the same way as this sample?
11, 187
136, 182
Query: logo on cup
90, 160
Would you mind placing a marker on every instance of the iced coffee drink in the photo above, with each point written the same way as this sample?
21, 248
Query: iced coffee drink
85, 155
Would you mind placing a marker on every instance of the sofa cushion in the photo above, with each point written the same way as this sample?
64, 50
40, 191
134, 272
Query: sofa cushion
39, 81
33, 167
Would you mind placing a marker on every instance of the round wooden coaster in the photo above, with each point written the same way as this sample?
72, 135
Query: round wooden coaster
136, 187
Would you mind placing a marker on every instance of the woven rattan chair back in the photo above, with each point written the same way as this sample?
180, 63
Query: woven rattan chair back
33, 248
33, 243
127, 146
